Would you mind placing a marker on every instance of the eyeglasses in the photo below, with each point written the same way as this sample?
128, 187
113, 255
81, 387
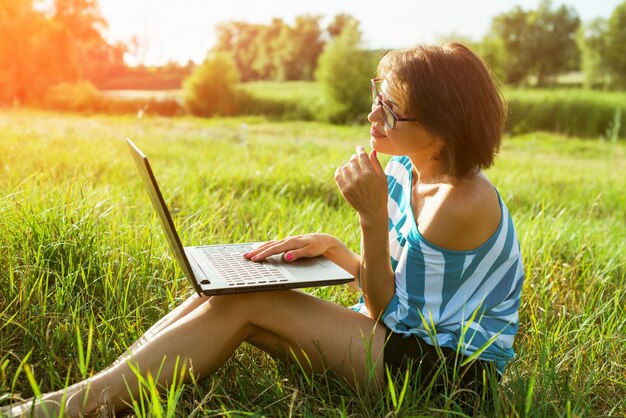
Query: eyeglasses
389, 117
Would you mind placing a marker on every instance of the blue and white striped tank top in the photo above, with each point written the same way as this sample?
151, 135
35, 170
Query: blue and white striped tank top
464, 300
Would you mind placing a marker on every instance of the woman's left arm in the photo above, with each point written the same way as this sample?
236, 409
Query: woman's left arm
363, 184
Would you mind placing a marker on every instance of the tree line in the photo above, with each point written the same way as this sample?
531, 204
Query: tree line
548, 41
43, 43
278, 50
521, 45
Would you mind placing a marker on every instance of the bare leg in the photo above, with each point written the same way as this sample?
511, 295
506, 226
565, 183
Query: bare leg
53, 400
290, 321
178, 313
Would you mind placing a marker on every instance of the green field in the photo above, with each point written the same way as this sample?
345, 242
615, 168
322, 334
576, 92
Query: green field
82, 254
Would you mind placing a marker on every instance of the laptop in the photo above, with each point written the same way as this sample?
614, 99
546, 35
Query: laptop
221, 269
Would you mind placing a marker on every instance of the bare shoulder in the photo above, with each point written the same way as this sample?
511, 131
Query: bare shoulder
462, 216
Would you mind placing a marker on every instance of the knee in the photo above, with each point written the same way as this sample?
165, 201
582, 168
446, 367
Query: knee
226, 306
246, 305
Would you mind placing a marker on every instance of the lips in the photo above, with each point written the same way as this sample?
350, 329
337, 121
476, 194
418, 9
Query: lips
375, 133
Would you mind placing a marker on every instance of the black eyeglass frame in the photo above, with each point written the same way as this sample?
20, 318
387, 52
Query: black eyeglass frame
377, 100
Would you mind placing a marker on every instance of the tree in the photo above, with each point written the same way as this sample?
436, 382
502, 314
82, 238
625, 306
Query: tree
591, 41
539, 43
36, 51
45, 43
300, 47
493, 52
308, 43
284, 55
511, 28
84, 25
344, 71
21, 30
557, 51
266, 65
615, 54
490, 49
276, 51
241, 40
82, 19
339, 22
211, 88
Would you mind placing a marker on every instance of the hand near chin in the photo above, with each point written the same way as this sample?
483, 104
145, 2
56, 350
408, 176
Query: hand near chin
293, 248
363, 183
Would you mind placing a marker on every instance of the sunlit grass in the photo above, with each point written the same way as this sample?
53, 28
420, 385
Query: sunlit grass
81, 253
291, 90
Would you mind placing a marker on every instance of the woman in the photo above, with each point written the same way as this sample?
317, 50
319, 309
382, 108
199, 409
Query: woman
440, 270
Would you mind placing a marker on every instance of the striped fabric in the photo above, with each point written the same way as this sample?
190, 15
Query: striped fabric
464, 300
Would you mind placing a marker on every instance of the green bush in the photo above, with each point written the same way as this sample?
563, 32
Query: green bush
78, 96
577, 112
211, 88
344, 71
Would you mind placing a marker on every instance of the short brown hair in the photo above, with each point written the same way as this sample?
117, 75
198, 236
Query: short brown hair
453, 94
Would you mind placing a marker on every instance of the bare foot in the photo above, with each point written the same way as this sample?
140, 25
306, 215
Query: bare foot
51, 405
32, 408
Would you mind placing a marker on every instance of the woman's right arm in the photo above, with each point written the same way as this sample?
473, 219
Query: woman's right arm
345, 258
310, 245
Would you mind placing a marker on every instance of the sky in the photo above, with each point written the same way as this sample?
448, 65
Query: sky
182, 30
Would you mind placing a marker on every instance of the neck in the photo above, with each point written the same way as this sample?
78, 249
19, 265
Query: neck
427, 170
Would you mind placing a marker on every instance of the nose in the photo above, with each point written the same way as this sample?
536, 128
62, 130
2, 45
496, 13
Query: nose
374, 116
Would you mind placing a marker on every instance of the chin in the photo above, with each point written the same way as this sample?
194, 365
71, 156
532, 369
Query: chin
378, 146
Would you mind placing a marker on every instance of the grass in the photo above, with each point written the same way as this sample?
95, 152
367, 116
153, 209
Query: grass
86, 269
588, 113
291, 90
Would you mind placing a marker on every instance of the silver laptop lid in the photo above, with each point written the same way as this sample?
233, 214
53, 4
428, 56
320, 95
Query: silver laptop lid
164, 215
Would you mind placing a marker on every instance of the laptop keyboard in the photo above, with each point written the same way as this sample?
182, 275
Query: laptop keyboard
229, 262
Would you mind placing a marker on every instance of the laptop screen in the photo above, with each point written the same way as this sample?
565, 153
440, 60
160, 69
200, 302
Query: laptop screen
161, 209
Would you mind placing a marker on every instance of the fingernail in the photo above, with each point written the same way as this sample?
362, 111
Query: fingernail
288, 256
375, 155
246, 254
255, 257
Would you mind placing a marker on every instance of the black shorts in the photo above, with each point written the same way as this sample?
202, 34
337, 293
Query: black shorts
425, 363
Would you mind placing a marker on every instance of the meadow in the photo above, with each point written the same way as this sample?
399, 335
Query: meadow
85, 268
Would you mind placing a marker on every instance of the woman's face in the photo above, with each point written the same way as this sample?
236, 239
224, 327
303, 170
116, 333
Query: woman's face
406, 138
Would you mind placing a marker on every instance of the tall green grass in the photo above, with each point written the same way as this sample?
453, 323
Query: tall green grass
82, 255
580, 112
